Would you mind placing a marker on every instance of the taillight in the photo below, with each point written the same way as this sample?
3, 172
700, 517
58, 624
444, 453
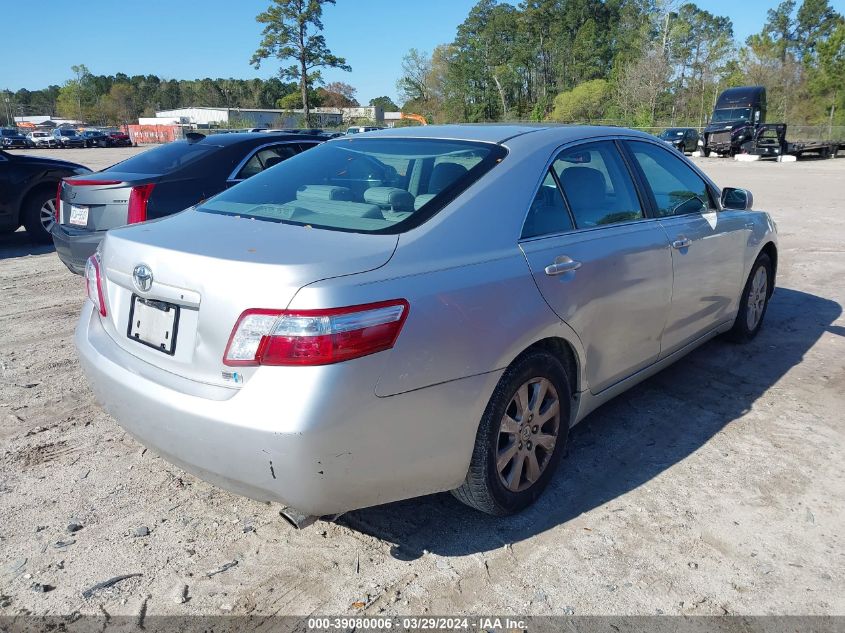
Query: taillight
138, 199
314, 337
94, 283
57, 211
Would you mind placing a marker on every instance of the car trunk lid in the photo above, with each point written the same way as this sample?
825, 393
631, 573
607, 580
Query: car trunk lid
98, 202
213, 267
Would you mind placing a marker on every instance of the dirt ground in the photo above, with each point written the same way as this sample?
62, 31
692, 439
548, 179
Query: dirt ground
715, 487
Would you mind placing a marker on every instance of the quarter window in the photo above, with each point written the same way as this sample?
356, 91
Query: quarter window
548, 213
597, 185
677, 189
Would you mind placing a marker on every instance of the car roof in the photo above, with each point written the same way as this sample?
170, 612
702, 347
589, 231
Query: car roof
233, 138
500, 132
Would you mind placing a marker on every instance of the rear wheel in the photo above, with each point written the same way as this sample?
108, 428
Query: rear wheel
521, 437
754, 302
39, 215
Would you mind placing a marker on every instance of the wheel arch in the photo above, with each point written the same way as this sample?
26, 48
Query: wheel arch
565, 351
37, 188
770, 249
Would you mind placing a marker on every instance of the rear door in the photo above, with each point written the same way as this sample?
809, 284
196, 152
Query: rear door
708, 245
601, 265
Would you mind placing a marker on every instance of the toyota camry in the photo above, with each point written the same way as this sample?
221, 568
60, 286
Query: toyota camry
417, 310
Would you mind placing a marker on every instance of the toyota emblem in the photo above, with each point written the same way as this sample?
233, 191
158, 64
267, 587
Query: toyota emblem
143, 277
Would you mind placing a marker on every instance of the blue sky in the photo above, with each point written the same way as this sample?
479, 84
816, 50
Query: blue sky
185, 39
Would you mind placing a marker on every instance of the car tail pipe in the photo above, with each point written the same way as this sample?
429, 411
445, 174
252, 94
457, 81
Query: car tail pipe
299, 520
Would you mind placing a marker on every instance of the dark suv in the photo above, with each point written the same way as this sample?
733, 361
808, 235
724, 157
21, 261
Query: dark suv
28, 192
66, 137
160, 182
10, 138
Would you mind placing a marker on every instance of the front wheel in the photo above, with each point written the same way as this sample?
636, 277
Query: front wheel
706, 152
754, 302
521, 437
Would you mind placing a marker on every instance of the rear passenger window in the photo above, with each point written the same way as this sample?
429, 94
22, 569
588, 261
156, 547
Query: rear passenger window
597, 185
264, 159
677, 189
548, 213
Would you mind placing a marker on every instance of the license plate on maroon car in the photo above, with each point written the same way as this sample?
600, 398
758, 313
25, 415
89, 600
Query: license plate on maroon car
154, 324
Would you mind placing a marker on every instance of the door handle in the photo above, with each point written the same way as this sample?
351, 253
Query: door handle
681, 242
562, 265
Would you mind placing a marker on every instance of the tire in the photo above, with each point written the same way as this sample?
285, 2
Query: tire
756, 293
486, 487
706, 152
37, 207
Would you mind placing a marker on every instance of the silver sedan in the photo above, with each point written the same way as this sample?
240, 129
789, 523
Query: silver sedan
417, 310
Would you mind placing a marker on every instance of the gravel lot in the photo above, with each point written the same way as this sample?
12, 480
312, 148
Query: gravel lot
715, 487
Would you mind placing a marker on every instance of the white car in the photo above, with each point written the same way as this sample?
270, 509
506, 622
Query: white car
41, 139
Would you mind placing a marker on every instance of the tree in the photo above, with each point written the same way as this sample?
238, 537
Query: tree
338, 95
585, 102
413, 83
385, 103
292, 31
828, 77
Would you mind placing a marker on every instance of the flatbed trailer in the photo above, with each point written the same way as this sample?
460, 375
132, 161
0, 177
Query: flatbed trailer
769, 140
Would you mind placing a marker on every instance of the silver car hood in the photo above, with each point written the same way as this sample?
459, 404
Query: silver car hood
216, 266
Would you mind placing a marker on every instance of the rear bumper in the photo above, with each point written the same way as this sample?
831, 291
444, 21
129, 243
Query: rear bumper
74, 247
317, 439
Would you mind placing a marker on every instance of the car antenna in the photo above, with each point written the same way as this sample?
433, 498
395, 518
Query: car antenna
194, 137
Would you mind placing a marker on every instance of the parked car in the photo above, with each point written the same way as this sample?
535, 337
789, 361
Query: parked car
10, 138
42, 139
358, 129
119, 139
67, 137
417, 310
683, 139
160, 182
28, 192
95, 138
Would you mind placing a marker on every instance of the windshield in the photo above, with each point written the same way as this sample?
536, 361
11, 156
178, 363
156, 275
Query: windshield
365, 185
165, 158
731, 114
668, 134
67, 132
9, 133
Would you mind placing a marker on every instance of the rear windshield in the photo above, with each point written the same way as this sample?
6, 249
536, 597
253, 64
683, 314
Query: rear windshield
365, 185
165, 158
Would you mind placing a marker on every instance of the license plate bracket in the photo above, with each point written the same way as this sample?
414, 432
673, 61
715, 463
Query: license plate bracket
154, 324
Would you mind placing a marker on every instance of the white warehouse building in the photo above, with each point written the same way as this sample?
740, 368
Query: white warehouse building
202, 116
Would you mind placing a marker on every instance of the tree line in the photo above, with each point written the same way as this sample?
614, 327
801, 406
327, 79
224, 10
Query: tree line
120, 99
636, 62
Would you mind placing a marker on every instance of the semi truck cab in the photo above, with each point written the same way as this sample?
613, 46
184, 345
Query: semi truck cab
738, 113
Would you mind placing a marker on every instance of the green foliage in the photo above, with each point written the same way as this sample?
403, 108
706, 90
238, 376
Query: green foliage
292, 31
385, 103
660, 61
585, 102
119, 99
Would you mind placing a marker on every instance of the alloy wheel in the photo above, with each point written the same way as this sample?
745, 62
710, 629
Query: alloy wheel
528, 434
757, 295
47, 215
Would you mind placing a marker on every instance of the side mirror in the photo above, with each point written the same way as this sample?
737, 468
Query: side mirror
738, 199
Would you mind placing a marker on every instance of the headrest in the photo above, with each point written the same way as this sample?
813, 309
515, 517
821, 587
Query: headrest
391, 198
323, 192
